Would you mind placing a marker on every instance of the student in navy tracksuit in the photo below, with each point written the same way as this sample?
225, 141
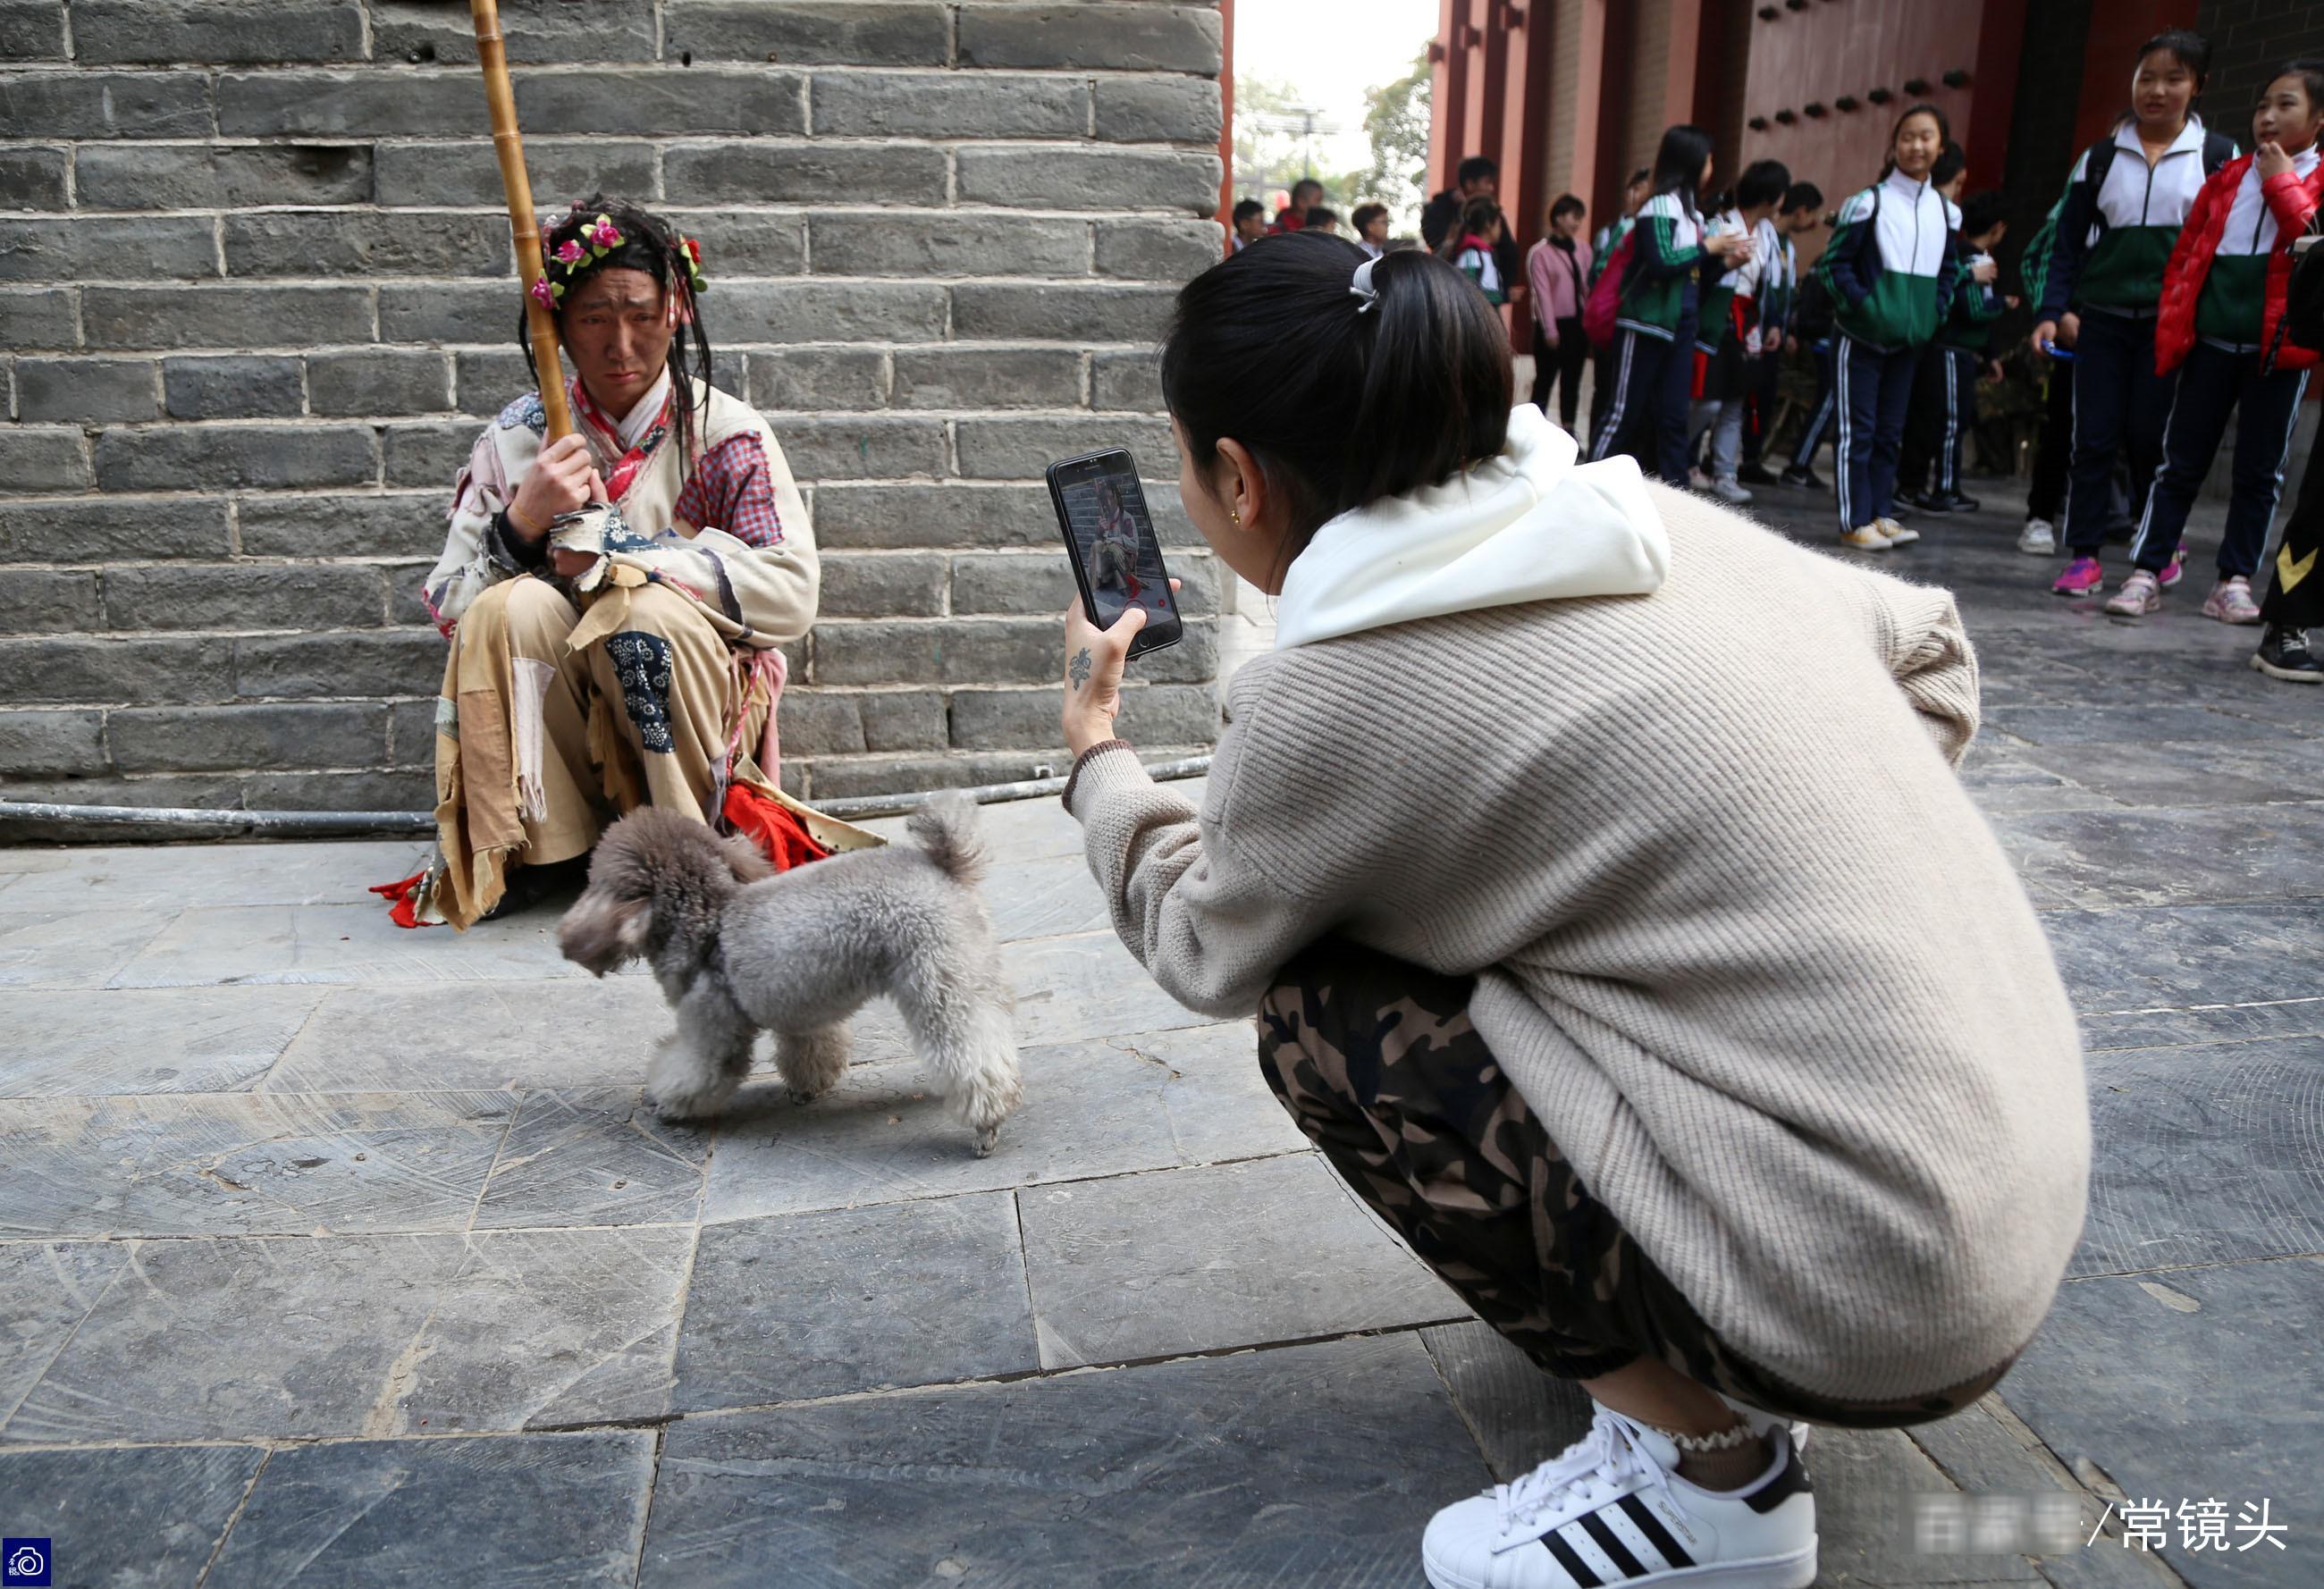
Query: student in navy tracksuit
1945, 410
2124, 203
1890, 269
1653, 363
1811, 324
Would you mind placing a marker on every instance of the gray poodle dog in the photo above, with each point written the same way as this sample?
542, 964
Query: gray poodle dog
738, 948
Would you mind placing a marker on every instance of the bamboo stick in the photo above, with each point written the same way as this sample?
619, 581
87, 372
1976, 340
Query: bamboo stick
493, 55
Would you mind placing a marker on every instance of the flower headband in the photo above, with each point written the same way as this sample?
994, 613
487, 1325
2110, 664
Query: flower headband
594, 242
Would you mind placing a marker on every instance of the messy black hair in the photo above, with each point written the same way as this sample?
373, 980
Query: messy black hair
1944, 135
1678, 164
1952, 159
1474, 167
2310, 74
2184, 45
1320, 215
1568, 204
1339, 405
1762, 181
1982, 212
1245, 208
1366, 214
651, 244
1801, 196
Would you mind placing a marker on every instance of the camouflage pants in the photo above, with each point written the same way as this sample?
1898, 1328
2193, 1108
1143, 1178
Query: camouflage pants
1377, 1062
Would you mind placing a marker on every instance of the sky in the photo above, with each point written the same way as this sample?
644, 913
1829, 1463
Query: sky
1333, 51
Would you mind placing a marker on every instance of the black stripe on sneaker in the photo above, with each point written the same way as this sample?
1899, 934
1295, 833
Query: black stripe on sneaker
1657, 1536
1603, 1532
1571, 1560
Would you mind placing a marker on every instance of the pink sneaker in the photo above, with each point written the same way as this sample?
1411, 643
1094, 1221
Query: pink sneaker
2139, 595
2175, 570
2081, 578
2230, 601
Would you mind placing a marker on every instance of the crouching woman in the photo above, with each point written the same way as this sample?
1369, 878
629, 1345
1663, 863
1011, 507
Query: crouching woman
1594, 864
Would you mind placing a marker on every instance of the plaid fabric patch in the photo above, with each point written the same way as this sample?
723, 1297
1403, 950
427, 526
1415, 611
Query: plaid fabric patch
731, 490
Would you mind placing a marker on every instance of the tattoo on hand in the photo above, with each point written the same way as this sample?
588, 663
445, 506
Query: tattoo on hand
1080, 671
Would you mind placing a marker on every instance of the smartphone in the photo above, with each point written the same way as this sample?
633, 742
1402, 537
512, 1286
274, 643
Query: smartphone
2064, 355
1110, 540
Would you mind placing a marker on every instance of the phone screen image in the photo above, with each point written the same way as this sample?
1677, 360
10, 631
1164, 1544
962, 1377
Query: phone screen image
1113, 534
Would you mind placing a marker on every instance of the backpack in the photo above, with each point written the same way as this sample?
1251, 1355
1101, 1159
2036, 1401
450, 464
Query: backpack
1606, 297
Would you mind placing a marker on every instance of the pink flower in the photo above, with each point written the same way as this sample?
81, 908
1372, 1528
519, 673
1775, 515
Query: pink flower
571, 251
544, 294
605, 234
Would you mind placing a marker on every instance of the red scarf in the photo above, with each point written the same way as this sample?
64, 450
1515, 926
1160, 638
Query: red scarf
607, 432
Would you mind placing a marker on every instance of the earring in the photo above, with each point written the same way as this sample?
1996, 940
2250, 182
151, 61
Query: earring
1236, 517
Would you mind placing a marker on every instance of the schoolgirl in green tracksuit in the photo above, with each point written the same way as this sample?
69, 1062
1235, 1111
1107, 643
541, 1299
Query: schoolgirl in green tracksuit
2125, 204
1654, 363
1890, 270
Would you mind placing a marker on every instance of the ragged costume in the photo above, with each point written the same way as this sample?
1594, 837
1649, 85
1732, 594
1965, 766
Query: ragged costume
651, 679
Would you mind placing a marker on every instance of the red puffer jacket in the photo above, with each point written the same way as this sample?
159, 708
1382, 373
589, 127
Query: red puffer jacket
2292, 201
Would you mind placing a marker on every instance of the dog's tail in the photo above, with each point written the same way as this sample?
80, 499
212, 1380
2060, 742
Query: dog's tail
946, 828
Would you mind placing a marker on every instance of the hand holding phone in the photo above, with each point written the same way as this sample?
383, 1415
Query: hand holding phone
1117, 559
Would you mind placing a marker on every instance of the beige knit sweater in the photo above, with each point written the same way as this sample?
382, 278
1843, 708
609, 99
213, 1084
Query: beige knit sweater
1743, 942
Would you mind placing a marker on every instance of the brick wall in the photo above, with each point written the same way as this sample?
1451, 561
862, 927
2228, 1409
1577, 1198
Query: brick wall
256, 295
2249, 40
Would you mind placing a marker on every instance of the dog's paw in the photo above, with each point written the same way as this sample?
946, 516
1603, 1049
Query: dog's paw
803, 1096
987, 1138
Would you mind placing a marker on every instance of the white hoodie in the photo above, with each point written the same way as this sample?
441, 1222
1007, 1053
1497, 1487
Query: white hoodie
1530, 524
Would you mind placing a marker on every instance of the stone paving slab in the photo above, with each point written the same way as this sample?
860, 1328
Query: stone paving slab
55, 1043
377, 1336
2172, 957
170, 878
846, 1299
247, 1164
503, 1033
2205, 1154
2235, 774
2248, 1023
553, 1509
2192, 1384
1226, 1256
142, 1518
593, 1156
46, 1289
261, 943
1103, 1106
2091, 857
71, 948
1308, 1466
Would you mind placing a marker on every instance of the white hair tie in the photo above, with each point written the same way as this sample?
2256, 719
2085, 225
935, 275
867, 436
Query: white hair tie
1361, 286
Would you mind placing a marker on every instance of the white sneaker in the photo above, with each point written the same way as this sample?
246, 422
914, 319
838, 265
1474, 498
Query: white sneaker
2039, 538
1696, 480
1730, 490
1611, 1511
1866, 537
1897, 532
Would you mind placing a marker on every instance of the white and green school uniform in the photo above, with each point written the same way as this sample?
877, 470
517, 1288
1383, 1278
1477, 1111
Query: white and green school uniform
1890, 269
2232, 308
1658, 285
2114, 239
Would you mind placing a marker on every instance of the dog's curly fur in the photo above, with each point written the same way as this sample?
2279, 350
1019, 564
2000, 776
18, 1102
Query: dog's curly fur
738, 949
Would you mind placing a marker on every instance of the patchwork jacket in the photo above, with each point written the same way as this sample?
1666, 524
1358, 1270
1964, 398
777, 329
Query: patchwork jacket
755, 574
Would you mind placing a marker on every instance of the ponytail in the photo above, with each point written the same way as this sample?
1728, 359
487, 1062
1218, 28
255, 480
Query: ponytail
1342, 399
